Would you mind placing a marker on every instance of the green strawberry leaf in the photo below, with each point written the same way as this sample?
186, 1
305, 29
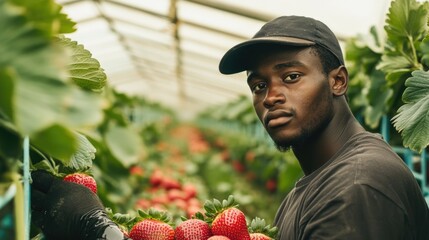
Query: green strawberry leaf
84, 70
393, 63
46, 16
7, 86
83, 157
406, 28
378, 96
406, 19
10, 141
41, 96
56, 141
424, 48
412, 119
125, 144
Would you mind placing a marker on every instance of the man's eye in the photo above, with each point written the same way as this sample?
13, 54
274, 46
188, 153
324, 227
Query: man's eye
258, 87
291, 77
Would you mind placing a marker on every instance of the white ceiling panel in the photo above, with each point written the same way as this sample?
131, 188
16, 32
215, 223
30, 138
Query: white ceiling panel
168, 50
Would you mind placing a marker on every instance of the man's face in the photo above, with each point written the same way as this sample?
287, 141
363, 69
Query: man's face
291, 95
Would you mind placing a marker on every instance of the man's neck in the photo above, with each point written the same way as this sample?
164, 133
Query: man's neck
317, 151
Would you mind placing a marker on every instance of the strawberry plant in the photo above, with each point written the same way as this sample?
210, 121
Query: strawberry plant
391, 68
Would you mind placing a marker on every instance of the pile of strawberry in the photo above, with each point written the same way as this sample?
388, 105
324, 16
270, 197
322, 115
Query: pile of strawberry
220, 221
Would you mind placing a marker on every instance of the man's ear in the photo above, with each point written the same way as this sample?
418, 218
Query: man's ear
339, 79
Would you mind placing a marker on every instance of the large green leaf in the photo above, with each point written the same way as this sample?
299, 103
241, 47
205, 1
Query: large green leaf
424, 48
24, 48
46, 15
84, 70
406, 26
7, 86
406, 19
41, 104
57, 141
125, 144
378, 96
36, 97
10, 141
42, 96
82, 158
412, 119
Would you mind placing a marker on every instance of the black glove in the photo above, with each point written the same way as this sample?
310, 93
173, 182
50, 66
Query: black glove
65, 210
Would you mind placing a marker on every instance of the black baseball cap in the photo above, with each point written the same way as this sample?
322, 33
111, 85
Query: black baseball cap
285, 30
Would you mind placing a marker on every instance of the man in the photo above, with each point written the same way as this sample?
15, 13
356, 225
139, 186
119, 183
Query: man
355, 186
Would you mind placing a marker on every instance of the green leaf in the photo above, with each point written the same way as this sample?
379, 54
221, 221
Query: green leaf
7, 88
406, 19
125, 144
41, 104
406, 28
424, 48
10, 141
24, 48
390, 63
84, 70
46, 15
412, 119
83, 157
56, 141
41, 96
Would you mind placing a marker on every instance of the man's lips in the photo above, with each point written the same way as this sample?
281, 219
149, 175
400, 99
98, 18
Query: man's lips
277, 118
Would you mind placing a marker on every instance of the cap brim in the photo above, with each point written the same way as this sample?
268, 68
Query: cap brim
237, 58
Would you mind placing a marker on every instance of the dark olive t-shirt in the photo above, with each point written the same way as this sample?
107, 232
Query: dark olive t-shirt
365, 192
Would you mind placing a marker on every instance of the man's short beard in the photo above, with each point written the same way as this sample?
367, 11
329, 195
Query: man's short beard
287, 145
307, 133
311, 130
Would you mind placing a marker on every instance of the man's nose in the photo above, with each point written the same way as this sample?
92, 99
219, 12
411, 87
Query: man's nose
274, 96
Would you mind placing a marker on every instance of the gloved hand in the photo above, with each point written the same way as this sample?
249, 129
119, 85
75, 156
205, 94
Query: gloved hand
65, 210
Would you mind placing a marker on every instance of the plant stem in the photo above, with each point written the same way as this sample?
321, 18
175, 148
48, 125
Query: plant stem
415, 63
19, 208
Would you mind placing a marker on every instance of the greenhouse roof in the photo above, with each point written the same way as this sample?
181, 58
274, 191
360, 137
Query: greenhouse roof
168, 50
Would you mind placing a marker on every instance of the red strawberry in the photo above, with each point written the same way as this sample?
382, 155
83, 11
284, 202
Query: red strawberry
83, 179
218, 237
259, 236
193, 229
152, 226
227, 219
260, 231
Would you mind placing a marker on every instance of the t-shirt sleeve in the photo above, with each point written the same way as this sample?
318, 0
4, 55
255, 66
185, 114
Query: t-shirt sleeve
359, 212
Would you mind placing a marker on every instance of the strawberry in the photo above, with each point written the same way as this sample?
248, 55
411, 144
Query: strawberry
259, 236
83, 179
226, 219
153, 225
193, 229
260, 231
218, 237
